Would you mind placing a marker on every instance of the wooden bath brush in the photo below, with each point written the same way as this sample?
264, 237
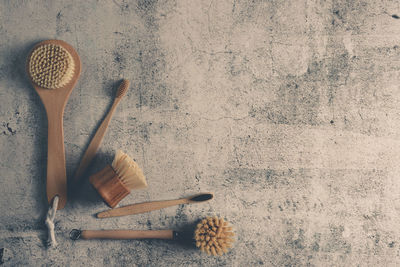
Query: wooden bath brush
116, 181
212, 235
54, 67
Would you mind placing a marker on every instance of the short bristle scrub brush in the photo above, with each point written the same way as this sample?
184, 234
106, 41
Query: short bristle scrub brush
116, 181
211, 235
54, 67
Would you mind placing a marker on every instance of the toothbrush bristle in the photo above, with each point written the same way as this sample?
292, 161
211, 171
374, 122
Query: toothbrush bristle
123, 88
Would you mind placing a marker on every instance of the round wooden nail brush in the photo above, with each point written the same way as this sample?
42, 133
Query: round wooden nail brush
98, 137
155, 205
54, 67
211, 235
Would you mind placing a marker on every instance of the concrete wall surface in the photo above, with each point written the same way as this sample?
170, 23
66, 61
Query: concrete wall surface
288, 111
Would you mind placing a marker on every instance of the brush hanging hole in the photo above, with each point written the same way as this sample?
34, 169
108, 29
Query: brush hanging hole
75, 234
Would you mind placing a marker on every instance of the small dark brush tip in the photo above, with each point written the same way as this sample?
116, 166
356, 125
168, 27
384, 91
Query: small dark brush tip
202, 197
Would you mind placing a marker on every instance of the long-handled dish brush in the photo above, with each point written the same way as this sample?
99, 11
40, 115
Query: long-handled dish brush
211, 235
115, 181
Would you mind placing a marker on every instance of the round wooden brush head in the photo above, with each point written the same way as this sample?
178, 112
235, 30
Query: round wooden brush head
214, 236
51, 66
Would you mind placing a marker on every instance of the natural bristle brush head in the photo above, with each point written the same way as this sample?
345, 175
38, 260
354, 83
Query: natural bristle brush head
50, 66
116, 181
214, 236
128, 171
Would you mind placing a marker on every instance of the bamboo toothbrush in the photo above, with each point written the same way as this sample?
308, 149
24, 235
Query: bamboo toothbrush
212, 235
98, 137
116, 181
155, 205
54, 67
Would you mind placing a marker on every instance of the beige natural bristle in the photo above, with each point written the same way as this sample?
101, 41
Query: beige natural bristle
211, 236
123, 88
51, 66
128, 171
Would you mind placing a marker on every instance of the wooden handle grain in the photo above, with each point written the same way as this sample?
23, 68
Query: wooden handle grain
56, 172
127, 234
141, 208
95, 143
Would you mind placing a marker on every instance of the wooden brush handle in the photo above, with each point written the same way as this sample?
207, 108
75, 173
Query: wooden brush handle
127, 234
141, 208
56, 173
95, 143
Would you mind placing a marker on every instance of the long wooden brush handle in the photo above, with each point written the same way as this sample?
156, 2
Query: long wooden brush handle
127, 234
95, 143
141, 208
56, 173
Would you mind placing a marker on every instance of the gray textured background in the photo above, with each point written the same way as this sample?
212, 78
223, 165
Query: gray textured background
287, 110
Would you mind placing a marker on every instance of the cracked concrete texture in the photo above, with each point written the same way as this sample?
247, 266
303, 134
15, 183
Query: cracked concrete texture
286, 110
